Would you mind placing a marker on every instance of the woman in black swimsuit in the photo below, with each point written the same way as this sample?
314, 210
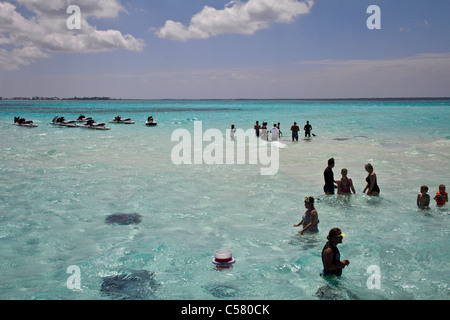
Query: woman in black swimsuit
372, 186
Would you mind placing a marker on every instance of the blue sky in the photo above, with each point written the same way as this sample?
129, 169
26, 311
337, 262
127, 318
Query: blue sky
225, 49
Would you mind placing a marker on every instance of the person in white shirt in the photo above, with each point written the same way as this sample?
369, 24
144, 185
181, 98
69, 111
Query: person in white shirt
275, 132
264, 131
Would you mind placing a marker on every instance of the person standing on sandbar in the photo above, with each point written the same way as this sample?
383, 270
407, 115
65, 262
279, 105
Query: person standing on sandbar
372, 186
328, 176
295, 129
307, 129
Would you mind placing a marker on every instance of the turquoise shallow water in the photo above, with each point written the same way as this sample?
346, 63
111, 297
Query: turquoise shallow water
59, 184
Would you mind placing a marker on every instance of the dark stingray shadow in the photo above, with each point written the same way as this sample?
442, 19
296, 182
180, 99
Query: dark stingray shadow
124, 218
341, 139
222, 291
136, 285
335, 292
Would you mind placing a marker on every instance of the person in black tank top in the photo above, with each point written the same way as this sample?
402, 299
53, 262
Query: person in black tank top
332, 265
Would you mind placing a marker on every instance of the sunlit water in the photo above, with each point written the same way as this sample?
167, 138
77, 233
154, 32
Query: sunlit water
59, 184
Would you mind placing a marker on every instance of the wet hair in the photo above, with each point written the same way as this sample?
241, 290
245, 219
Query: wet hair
334, 232
368, 165
424, 187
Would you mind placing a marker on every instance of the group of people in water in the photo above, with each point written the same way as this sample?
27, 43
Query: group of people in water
262, 132
344, 186
332, 265
295, 129
423, 198
331, 257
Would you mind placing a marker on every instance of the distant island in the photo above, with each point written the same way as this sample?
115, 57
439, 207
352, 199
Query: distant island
57, 98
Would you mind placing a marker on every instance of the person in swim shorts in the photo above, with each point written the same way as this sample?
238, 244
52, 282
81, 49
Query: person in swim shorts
295, 129
331, 257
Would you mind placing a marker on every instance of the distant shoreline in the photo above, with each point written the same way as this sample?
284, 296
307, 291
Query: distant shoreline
213, 99
56, 98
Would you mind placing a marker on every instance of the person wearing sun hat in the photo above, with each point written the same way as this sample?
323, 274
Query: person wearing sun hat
331, 257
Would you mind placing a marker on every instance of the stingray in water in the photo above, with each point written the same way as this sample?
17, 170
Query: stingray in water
336, 292
222, 291
341, 139
137, 285
124, 218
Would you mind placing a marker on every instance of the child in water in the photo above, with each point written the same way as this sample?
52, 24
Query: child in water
423, 198
441, 196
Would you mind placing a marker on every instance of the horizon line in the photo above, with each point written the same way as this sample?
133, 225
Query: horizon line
217, 99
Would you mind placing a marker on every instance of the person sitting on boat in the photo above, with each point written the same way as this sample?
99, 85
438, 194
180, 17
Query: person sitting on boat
19, 120
150, 119
117, 118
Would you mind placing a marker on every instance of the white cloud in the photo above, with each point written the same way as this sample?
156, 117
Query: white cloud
45, 32
11, 60
98, 8
237, 17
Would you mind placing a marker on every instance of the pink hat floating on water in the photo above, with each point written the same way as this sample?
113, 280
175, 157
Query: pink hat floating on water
223, 258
